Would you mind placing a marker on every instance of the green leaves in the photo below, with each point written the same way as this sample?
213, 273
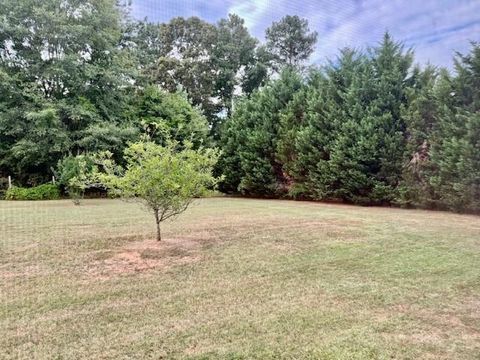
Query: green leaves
76, 174
351, 145
443, 153
166, 115
250, 141
65, 83
367, 129
41, 192
162, 177
209, 62
77, 77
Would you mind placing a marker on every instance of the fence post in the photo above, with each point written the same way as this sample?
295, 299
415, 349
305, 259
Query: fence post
9, 181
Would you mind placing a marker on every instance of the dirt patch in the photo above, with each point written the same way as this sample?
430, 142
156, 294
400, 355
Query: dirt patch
103, 255
145, 255
155, 254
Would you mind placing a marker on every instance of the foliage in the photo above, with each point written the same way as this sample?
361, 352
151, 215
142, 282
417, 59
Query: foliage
161, 177
249, 161
41, 192
363, 157
65, 83
234, 56
444, 156
75, 174
290, 41
166, 115
369, 128
209, 62
184, 59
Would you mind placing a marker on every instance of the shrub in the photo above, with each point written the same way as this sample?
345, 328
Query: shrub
41, 192
73, 173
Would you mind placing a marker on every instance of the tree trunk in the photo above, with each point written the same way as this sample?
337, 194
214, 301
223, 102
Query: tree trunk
157, 221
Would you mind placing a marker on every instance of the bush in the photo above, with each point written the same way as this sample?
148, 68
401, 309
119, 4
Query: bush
73, 173
41, 192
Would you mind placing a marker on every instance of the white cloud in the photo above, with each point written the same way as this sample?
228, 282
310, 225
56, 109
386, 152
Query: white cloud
252, 11
434, 28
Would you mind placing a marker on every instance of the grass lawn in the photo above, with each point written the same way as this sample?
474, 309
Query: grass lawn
237, 279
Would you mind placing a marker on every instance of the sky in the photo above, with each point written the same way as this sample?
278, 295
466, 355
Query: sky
435, 29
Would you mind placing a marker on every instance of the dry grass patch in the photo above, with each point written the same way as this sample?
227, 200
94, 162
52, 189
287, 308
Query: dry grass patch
145, 255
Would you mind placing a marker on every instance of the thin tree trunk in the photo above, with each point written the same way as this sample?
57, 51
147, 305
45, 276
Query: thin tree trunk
159, 236
157, 221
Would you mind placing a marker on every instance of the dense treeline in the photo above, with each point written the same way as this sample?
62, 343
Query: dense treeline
371, 127
80, 76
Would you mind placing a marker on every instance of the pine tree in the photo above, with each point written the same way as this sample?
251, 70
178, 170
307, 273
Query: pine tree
254, 126
420, 114
455, 151
290, 41
325, 114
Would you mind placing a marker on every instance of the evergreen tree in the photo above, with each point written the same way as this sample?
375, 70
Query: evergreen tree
367, 155
252, 157
325, 114
420, 114
342, 137
443, 139
294, 125
455, 150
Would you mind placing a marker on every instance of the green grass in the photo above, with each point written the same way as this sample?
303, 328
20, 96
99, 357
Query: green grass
238, 279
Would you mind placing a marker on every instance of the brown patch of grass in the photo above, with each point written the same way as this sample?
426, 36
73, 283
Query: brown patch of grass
146, 255
102, 255
430, 328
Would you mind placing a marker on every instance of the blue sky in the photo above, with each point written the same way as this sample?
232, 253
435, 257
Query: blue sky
434, 28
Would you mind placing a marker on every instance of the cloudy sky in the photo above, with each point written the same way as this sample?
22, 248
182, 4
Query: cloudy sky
434, 28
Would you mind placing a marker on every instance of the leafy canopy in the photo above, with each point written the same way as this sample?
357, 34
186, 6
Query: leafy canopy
75, 174
161, 177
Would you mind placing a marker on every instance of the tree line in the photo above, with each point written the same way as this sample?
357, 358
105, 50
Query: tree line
368, 128
80, 77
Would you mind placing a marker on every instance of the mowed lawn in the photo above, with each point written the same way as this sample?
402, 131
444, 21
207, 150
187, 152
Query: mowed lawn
237, 279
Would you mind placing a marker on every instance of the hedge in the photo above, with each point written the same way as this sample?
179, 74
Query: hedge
41, 192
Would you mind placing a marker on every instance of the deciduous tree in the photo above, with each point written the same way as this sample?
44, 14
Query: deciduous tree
291, 41
163, 178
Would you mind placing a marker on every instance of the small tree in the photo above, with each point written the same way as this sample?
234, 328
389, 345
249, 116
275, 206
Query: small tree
75, 174
163, 178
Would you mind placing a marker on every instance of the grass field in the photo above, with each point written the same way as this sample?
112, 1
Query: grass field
238, 279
